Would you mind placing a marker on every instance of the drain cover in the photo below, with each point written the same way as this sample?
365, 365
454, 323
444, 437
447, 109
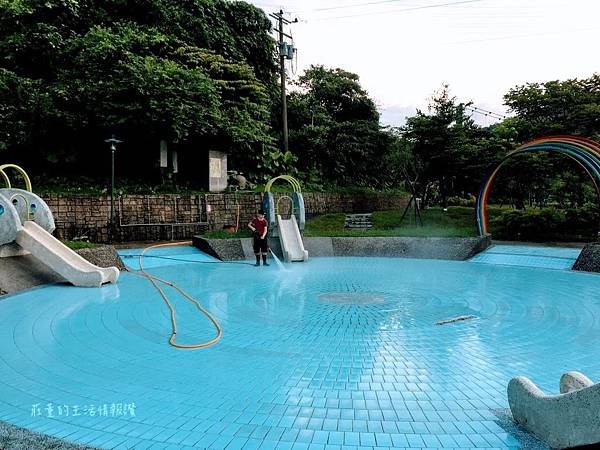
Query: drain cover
351, 298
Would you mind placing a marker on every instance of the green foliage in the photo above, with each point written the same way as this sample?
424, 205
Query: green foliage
197, 73
542, 109
21, 102
78, 245
444, 152
546, 224
455, 221
557, 107
335, 131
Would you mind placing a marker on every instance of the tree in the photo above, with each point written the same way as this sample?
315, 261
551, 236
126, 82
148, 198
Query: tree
444, 149
335, 131
557, 107
551, 108
197, 73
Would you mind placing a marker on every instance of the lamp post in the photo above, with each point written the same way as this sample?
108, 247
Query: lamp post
113, 141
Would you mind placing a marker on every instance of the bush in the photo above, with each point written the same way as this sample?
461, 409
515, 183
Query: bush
546, 224
461, 201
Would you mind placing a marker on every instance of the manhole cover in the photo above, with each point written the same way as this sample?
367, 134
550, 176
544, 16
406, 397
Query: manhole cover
351, 298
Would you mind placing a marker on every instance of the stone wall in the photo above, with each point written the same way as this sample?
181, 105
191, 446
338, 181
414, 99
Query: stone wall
151, 217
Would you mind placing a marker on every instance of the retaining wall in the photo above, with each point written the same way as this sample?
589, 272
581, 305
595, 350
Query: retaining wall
150, 217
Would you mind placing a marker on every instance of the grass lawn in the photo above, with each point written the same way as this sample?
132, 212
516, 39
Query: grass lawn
78, 245
456, 221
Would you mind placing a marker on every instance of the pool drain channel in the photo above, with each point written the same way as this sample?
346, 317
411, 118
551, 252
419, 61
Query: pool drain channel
155, 280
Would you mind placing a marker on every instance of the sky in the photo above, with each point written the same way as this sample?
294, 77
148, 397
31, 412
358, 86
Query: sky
405, 50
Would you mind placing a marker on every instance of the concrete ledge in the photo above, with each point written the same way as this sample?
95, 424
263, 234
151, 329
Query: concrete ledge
16, 438
24, 272
223, 249
406, 247
410, 247
589, 259
102, 256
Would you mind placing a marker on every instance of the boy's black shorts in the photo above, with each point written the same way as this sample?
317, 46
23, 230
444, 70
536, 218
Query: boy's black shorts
260, 245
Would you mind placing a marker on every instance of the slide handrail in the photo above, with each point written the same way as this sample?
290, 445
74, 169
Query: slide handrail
18, 169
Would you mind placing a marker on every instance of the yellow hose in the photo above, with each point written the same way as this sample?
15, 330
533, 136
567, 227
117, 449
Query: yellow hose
153, 279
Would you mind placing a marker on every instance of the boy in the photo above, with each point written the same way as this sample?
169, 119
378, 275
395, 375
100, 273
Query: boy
259, 227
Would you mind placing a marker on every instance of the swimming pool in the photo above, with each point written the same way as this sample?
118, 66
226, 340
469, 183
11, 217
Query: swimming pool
332, 353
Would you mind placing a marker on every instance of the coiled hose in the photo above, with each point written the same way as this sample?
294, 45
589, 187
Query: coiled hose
155, 280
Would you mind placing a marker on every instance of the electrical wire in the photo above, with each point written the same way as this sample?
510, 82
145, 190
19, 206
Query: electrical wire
294, 70
357, 5
485, 112
415, 8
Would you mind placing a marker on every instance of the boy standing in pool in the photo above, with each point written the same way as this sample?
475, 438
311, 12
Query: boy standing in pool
260, 227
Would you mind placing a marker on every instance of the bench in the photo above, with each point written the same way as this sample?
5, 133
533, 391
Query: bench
361, 221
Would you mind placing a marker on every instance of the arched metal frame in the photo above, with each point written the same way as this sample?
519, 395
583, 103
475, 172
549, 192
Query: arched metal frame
295, 183
18, 169
584, 151
297, 205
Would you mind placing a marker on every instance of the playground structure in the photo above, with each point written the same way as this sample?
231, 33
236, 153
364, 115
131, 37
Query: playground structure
26, 226
584, 151
288, 230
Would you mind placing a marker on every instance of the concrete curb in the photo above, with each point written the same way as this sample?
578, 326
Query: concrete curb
457, 249
16, 438
24, 272
589, 258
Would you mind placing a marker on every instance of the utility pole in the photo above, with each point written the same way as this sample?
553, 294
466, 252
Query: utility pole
286, 51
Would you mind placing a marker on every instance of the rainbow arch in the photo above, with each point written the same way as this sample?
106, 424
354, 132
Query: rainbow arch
584, 151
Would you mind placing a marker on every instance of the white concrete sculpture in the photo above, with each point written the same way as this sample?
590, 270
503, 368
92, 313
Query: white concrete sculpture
569, 419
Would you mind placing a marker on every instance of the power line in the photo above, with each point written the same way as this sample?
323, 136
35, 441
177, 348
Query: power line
519, 36
356, 5
416, 8
485, 112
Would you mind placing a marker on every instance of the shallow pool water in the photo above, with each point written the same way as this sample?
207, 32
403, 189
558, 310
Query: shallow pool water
332, 353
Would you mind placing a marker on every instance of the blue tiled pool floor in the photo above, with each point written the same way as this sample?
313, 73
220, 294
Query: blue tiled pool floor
335, 353
529, 256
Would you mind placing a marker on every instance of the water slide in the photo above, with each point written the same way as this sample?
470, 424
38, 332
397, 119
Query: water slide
64, 261
292, 246
26, 226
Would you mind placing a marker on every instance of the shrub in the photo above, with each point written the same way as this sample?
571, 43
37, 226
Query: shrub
461, 201
546, 224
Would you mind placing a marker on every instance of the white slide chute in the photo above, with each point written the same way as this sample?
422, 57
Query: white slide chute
292, 246
60, 258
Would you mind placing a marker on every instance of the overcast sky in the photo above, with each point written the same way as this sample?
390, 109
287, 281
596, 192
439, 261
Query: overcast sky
404, 50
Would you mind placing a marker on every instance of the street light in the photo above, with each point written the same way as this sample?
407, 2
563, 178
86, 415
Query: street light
113, 141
